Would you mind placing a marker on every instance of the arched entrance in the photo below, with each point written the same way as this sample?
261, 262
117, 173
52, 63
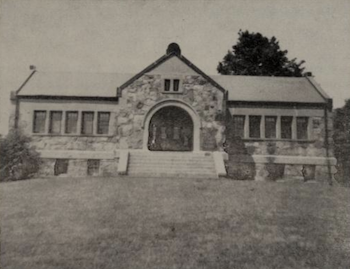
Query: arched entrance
170, 129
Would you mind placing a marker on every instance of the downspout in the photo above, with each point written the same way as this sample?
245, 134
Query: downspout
326, 142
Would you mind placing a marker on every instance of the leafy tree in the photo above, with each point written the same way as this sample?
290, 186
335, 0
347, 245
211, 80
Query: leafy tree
256, 55
341, 139
17, 159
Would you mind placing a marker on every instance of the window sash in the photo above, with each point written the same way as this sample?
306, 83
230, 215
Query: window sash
254, 126
103, 122
286, 127
39, 122
71, 122
87, 124
270, 126
55, 122
302, 126
238, 126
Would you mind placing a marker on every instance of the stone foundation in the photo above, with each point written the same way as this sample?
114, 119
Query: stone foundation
78, 168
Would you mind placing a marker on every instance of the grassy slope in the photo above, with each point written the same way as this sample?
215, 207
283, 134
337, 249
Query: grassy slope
173, 223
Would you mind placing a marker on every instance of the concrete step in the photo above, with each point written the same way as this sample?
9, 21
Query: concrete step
171, 164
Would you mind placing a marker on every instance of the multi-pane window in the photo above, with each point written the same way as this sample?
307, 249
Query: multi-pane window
302, 125
61, 167
103, 122
286, 127
254, 126
87, 123
93, 167
55, 122
39, 122
270, 126
71, 122
238, 126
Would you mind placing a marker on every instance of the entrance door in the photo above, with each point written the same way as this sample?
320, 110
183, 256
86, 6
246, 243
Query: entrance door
171, 129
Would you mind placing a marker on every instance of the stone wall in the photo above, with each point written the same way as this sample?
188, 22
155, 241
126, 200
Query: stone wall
313, 147
286, 156
139, 97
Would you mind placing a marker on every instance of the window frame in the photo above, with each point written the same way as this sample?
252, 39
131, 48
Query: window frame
306, 127
243, 127
50, 131
291, 128
98, 122
82, 123
265, 126
66, 122
93, 167
258, 128
44, 122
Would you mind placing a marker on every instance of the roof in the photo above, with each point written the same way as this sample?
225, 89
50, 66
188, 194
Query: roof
271, 89
73, 84
239, 88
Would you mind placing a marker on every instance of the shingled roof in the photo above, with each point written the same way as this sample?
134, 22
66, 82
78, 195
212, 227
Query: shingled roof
240, 88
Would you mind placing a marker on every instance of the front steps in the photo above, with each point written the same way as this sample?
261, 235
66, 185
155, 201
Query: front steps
172, 164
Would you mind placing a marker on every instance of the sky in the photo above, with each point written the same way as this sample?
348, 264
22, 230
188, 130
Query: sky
126, 36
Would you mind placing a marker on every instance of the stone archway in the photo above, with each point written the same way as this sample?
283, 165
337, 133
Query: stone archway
171, 125
170, 129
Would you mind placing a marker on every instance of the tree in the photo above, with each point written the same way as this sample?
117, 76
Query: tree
341, 139
17, 159
256, 55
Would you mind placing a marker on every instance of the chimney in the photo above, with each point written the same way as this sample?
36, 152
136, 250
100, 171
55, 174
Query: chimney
308, 74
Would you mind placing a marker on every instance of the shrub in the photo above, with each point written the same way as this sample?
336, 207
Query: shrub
17, 159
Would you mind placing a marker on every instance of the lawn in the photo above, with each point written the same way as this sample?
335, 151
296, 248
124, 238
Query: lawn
173, 223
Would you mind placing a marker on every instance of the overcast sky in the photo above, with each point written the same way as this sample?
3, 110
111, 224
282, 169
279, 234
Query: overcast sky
126, 36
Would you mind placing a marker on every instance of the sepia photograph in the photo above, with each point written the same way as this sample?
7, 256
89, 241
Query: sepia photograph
174, 134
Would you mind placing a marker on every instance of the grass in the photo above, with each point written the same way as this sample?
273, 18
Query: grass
173, 223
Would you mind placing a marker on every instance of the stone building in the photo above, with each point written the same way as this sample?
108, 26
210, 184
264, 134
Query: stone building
172, 119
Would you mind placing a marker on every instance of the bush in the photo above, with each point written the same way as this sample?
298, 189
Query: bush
17, 159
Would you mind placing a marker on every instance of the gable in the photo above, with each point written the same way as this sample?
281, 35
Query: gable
173, 66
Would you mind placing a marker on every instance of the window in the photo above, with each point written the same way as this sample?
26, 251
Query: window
302, 124
238, 126
55, 122
39, 122
87, 124
167, 85
176, 85
71, 122
93, 167
103, 122
270, 126
254, 126
286, 127
61, 167
172, 85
